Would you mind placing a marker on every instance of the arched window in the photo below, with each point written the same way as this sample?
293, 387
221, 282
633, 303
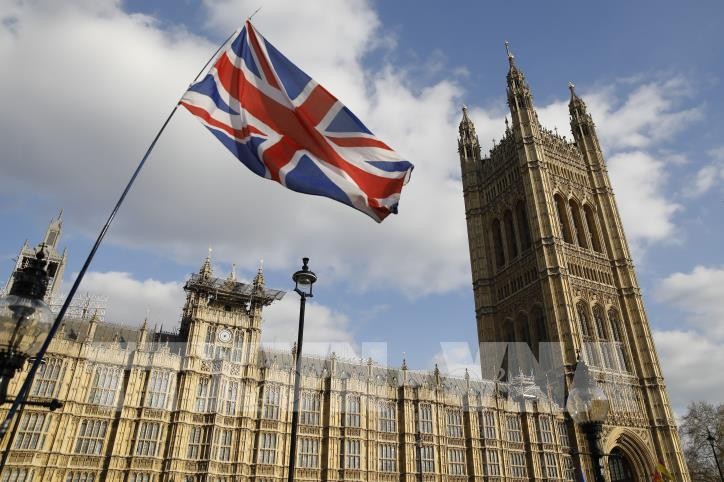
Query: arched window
583, 319
589, 351
510, 234
539, 326
498, 244
578, 224
620, 351
523, 226
603, 340
563, 218
591, 225
600, 323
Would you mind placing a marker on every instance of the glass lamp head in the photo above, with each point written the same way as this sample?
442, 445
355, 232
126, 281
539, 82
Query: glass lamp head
304, 279
586, 403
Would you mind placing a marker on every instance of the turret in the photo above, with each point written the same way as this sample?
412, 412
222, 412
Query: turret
468, 143
583, 129
520, 98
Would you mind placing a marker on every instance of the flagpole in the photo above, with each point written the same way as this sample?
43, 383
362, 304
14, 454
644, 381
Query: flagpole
25, 388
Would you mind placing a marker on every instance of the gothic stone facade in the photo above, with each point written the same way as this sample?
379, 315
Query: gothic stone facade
208, 404
551, 267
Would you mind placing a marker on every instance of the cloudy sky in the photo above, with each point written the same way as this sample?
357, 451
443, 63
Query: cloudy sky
86, 84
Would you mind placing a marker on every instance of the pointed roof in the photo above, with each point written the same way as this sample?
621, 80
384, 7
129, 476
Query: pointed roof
206, 270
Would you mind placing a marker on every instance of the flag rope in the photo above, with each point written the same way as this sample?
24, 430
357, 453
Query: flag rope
25, 388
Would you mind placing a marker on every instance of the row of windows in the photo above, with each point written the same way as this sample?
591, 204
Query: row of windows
583, 230
603, 340
511, 236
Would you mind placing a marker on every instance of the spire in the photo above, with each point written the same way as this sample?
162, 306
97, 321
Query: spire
576, 106
206, 270
259, 278
232, 273
53, 232
511, 57
520, 98
468, 144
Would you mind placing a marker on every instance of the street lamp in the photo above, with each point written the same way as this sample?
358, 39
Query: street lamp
710, 438
24, 319
588, 406
303, 281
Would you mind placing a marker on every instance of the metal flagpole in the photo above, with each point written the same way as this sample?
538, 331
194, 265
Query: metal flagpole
25, 388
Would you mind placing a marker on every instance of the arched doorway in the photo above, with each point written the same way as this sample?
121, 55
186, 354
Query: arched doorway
619, 467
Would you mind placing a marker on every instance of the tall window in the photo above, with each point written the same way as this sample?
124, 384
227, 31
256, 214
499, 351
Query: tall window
91, 437
310, 408
222, 444
549, 464
454, 423
32, 431
79, 477
271, 402
589, 351
487, 419
516, 461
545, 429
600, 322
492, 463
456, 461
563, 218
510, 235
157, 389
198, 443
618, 338
427, 456
238, 348
425, 418
568, 471
388, 417
104, 386
308, 453
352, 454
267, 448
523, 227
352, 415
209, 342
387, 457
513, 430
48, 377
498, 244
578, 224
591, 225
232, 395
206, 394
563, 434
147, 441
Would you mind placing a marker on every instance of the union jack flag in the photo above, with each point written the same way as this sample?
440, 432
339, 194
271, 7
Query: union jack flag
284, 126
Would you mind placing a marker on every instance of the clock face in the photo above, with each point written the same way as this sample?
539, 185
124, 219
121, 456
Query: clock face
224, 336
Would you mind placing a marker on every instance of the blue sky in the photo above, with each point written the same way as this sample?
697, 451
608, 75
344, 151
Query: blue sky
93, 80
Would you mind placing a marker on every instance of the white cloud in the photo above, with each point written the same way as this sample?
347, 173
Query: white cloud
698, 295
639, 181
692, 356
709, 176
129, 299
691, 365
105, 100
454, 358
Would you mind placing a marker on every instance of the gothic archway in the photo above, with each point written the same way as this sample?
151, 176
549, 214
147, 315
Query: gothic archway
629, 460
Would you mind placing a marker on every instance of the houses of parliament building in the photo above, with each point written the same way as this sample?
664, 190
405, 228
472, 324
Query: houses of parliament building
551, 268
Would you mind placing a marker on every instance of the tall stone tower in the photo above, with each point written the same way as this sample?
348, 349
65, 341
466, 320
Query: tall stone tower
551, 265
56, 259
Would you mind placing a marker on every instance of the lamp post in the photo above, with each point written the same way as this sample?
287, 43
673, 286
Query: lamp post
710, 438
24, 319
588, 406
303, 281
